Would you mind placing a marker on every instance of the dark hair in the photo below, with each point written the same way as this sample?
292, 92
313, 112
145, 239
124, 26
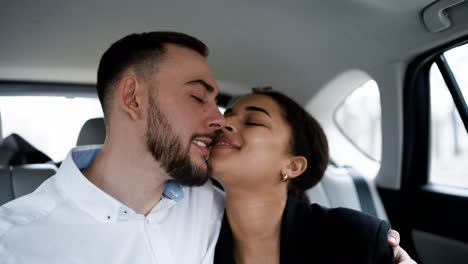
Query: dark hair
307, 139
141, 51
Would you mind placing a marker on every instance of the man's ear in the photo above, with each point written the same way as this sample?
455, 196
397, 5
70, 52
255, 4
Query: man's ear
295, 167
129, 95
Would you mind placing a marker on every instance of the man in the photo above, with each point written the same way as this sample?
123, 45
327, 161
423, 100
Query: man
134, 200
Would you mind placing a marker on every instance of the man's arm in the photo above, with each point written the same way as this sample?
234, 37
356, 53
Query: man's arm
400, 254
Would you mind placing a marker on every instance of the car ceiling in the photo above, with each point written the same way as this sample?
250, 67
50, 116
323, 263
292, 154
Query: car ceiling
294, 46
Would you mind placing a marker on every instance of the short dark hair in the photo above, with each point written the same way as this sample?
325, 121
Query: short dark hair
307, 139
141, 51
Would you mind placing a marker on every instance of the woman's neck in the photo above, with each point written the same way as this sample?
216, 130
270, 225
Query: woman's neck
255, 221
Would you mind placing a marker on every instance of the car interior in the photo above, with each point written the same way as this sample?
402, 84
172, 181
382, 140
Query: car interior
387, 80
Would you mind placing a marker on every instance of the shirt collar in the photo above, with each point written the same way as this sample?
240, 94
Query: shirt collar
89, 197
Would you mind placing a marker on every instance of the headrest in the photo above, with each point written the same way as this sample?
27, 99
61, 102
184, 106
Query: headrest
93, 132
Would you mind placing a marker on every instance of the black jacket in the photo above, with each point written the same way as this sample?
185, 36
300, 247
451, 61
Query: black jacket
314, 234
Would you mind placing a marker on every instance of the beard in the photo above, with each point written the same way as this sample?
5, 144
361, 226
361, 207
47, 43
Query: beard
165, 147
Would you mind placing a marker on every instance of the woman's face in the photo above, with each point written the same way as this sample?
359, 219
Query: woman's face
253, 147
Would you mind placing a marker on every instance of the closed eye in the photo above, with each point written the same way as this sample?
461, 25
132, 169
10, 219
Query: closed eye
198, 99
253, 124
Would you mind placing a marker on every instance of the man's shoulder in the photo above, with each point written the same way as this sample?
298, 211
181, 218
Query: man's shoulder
29, 208
196, 219
207, 195
205, 202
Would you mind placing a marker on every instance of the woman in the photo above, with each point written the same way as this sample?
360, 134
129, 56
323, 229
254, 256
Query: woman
269, 153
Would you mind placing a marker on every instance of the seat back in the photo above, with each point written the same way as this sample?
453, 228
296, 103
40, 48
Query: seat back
16, 181
345, 187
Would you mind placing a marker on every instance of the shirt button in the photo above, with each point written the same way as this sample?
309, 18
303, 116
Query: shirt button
125, 211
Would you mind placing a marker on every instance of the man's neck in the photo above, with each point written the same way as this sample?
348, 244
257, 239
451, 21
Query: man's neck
133, 178
255, 222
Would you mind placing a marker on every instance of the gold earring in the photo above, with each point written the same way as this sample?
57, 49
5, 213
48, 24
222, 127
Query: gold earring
285, 178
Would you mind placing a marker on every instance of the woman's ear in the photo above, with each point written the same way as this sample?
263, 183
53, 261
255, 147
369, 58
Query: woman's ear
128, 95
296, 166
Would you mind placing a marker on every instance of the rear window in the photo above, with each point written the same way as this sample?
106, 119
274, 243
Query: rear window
359, 119
49, 123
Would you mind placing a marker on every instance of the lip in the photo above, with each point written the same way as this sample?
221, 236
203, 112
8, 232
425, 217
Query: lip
204, 150
223, 143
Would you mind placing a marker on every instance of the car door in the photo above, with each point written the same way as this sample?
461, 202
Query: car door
431, 206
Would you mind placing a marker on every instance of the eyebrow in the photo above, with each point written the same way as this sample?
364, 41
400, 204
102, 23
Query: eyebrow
249, 108
208, 87
258, 109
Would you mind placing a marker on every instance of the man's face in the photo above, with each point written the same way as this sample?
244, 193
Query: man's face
182, 115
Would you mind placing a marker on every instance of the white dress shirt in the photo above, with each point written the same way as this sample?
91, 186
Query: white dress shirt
70, 220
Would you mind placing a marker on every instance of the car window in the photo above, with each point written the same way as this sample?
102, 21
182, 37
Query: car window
221, 109
457, 59
49, 123
359, 119
449, 138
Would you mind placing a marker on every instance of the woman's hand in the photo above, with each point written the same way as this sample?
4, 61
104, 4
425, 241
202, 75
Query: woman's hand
400, 254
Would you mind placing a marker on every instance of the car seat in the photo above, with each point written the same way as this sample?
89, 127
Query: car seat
14, 150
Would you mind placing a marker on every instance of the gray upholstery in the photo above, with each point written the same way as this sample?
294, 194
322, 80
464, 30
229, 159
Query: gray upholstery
7, 152
1, 128
16, 181
337, 189
6, 188
93, 132
26, 178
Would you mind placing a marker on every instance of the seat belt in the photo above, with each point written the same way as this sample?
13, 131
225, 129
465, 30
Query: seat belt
363, 191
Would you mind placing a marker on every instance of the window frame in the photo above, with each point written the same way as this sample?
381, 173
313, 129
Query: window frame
29, 88
417, 116
454, 88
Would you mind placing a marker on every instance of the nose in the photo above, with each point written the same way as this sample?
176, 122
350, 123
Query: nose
228, 127
216, 120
